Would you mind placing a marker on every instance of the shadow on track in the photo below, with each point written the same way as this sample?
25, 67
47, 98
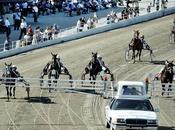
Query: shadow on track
44, 100
166, 128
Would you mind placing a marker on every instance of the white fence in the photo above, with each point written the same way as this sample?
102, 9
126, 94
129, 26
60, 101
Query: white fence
94, 31
155, 89
104, 88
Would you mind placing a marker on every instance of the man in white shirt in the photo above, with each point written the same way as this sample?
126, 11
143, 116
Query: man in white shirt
23, 28
35, 13
8, 29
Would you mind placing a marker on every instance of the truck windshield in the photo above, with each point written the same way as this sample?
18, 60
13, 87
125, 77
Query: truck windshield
126, 104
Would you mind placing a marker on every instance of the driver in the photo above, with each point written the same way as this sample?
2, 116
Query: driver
14, 69
63, 68
102, 63
145, 44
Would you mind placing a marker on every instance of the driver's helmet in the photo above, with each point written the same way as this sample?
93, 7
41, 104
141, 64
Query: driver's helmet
14, 67
142, 37
99, 57
58, 57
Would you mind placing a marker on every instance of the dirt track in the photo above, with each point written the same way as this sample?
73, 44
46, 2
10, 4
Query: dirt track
78, 111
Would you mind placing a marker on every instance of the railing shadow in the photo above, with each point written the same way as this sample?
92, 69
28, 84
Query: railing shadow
158, 62
166, 128
44, 100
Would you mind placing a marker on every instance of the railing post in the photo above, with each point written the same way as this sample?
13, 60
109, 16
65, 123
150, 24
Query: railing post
105, 89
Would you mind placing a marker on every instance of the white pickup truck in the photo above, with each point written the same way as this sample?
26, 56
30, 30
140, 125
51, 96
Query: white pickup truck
131, 108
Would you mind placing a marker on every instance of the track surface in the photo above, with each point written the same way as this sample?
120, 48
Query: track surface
78, 111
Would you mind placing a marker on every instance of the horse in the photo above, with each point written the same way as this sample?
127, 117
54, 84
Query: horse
166, 76
54, 68
9, 78
94, 68
136, 45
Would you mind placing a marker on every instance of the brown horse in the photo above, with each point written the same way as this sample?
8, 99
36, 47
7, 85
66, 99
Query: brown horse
94, 68
136, 45
167, 76
54, 68
9, 78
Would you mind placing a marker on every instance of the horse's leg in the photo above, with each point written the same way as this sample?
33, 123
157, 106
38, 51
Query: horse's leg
56, 76
28, 92
49, 81
163, 89
169, 87
7, 88
14, 89
94, 78
140, 52
10, 91
41, 77
134, 56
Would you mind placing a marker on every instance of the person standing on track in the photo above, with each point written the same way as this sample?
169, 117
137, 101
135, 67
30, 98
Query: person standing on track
146, 84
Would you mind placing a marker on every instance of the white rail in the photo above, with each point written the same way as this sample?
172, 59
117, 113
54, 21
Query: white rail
105, 88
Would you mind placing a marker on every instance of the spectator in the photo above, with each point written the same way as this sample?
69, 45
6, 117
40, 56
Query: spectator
78, 25
108, 19
28, 39
149, 8
25, 5
55, 31
7, 44
95, 17
157, 5
89, 23
30, 31
17, 19
23, 28
35, 13
8, 29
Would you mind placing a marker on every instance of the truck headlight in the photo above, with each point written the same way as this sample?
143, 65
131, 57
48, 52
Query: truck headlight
120, 120
152, 121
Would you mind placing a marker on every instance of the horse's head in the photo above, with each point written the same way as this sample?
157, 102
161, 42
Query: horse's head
54, 56
94, 57
169, 66
8, 69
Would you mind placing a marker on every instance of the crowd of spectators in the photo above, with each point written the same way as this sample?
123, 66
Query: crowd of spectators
38, 35
46, 7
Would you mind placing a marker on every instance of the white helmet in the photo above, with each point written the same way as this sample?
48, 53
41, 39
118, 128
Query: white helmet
14, 67
58, 57
99, 57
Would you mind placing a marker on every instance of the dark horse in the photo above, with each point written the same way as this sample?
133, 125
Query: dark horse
166, 76
94, 68
9, 78
136, 45
54, 68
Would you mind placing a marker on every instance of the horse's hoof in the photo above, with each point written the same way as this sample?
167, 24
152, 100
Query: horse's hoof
14, 98
162, 93
10, 94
